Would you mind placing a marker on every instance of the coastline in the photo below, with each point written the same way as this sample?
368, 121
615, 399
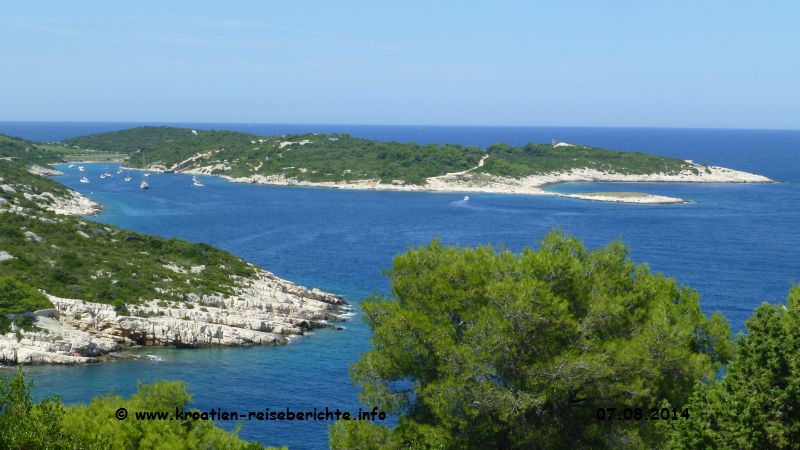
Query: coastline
627, 197
470, 182
265, 310
73, 204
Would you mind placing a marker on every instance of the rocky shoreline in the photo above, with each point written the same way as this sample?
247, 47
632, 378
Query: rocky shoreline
627, 197
264, 310
71, 204
470, 181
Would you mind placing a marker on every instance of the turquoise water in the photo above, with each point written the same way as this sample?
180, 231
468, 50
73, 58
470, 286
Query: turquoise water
736, 244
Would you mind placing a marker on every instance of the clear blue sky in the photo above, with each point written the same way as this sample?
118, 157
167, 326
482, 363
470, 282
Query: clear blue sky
731, 64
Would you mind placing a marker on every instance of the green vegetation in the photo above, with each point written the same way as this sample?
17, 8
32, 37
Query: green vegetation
68, 153
17, 297
75, 258
533, 159
25, 152
51, 425
16, 176
341, 157
130, 140
757, 404
486, 349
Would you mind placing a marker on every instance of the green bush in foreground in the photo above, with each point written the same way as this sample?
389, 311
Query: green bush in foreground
757, 404
50, 425
487, 349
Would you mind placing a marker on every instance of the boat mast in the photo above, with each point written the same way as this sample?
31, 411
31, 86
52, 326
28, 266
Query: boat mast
144, 184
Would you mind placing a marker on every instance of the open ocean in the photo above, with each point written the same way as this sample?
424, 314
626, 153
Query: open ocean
737, 244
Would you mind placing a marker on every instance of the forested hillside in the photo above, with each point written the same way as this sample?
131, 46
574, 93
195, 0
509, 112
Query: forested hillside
341, 157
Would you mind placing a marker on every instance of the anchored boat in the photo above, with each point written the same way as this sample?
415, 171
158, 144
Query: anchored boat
144, 184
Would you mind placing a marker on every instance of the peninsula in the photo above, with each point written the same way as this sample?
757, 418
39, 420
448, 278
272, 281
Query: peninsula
347, 162
74, 291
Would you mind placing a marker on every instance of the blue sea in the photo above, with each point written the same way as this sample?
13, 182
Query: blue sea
736, 244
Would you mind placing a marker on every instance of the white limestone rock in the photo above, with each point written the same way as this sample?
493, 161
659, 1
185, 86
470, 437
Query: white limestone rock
265, 310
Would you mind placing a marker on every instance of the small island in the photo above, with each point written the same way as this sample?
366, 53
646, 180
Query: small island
346, 162
626, 197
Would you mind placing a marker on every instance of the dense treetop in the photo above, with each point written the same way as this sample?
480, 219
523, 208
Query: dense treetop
485, 349
341, 157
756, 405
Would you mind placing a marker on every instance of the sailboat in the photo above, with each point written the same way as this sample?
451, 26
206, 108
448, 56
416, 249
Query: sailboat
144, 184
196, 182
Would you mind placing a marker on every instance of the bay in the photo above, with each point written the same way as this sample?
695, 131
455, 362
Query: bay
736, 244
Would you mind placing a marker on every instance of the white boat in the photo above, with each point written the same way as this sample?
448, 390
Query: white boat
144, 184
102, 176
128, 178
196, 182
466, 197
81, 168
71, 166
108, 175
119, 171
84, 180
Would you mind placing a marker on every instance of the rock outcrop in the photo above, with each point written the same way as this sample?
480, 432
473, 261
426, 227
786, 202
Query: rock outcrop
264, 310
44, 171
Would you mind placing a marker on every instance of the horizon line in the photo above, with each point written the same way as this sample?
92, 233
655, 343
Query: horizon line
169, 122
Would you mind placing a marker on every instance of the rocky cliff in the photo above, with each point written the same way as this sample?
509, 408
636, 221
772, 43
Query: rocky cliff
264, 310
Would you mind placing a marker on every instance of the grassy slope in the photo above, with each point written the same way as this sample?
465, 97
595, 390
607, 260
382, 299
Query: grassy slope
25, 152
17, 176
70, 154
340, 157
111, 265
